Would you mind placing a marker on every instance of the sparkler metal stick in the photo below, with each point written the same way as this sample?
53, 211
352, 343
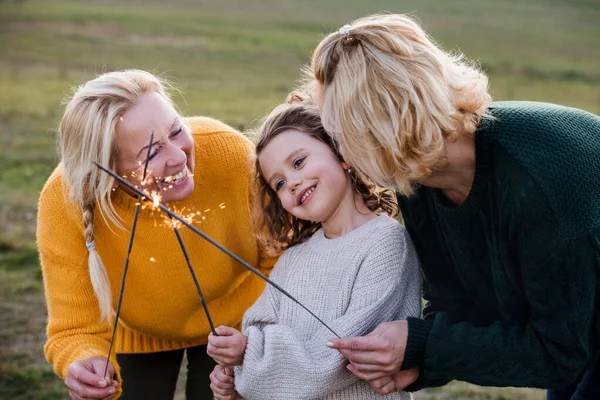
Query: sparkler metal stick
214, 243
133, 226
187, 260
191, 269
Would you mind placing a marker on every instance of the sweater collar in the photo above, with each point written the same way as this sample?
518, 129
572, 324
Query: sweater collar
319, 242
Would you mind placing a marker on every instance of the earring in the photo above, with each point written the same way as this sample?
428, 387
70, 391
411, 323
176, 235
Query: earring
349, 170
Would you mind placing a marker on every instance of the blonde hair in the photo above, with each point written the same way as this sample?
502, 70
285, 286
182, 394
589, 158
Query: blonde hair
87, 134
278, 229
391, 97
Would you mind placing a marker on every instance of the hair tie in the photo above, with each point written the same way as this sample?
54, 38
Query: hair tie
91, 246
345, 30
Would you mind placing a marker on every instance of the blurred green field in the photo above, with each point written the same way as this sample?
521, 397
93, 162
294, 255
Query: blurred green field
233, 60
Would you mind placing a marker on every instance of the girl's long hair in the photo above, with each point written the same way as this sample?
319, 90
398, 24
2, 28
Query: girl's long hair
277, 228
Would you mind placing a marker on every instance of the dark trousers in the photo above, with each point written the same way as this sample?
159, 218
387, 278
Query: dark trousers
586, 388
153, 376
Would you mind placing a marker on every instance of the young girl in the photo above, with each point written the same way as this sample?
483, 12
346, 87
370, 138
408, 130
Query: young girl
345, 258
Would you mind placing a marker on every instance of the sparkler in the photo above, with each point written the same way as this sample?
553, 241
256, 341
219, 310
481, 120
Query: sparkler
195, 279
133, 226
156, 198
214, 243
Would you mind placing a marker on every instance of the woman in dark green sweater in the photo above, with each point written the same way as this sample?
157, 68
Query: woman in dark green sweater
502, 201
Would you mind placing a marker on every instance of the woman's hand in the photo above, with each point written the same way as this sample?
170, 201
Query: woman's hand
85, 379
394, 383
228, 348
378, 354
222, 383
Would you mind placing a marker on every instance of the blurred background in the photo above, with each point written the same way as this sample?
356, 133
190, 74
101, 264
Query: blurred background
233, 60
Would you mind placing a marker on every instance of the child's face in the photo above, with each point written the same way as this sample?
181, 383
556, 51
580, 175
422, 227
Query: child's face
172, 155
307, 176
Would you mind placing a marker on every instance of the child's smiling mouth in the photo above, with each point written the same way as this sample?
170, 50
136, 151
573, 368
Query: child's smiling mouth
304, 195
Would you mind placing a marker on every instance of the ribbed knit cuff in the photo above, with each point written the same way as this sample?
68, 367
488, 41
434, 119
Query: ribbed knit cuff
418, 332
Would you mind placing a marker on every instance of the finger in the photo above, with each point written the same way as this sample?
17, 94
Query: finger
86, 391
368, 376
82, 374
226, 374
222, 391
371, 367
227, 397
405, 378
222, 341
98, 367
388, 388
219, 351
224, 361
226, 331
224, 378
363, 358
373, 358
219, 378
74, 395
364, 343
381, 382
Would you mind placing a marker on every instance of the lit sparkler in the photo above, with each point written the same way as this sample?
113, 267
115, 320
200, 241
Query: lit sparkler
214, 243
133, 226
195, 279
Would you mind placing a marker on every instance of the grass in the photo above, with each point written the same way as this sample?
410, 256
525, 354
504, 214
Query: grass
232, 60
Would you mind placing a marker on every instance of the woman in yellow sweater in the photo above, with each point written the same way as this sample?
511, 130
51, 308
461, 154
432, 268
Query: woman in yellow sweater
202, 167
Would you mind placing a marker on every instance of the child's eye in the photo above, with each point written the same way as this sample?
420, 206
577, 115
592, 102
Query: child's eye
176, 133
298, 162
279, 184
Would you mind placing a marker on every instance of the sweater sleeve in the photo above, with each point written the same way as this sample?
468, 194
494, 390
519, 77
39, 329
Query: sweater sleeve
74, 329
278, 364
555, 346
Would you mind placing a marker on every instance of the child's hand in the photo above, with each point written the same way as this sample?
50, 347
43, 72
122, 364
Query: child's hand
228, 348
222, 383
383, 386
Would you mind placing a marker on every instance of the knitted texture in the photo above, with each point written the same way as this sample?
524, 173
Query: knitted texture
512, 274
353, 283
161, 309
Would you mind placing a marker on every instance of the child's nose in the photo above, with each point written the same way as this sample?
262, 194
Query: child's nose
294, 183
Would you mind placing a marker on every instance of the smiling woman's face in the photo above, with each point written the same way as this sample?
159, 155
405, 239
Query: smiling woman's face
171, 161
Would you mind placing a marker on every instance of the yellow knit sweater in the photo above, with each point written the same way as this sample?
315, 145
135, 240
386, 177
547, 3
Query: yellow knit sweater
161, 309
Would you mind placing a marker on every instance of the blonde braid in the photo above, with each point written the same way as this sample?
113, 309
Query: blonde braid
98, 274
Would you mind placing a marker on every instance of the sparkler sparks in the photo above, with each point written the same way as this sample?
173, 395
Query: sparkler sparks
155, 196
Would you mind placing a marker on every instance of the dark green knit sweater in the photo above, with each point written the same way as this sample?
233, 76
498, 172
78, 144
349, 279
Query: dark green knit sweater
512, 275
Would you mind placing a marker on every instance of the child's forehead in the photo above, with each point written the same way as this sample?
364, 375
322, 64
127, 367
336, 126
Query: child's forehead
283, 148
290, 141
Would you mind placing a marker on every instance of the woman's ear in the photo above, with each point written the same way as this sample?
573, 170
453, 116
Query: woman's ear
345, 165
